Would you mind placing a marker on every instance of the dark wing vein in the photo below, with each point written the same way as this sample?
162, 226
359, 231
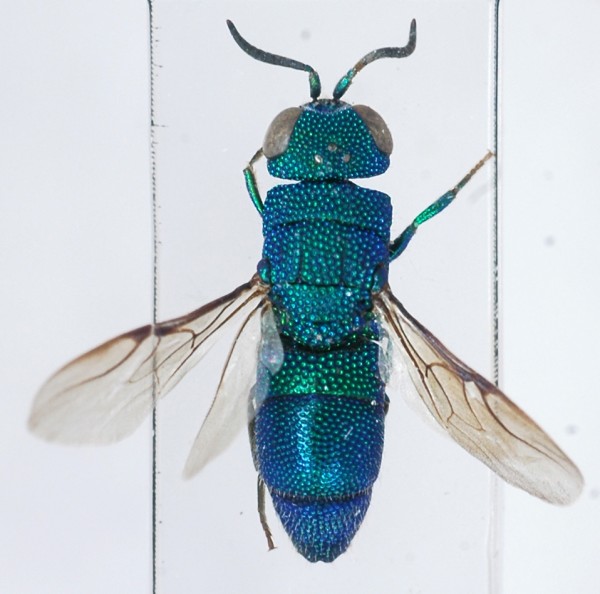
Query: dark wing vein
476, 414
105, 394
229, 410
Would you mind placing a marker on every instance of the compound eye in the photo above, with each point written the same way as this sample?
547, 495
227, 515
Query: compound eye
377, 127
278, 135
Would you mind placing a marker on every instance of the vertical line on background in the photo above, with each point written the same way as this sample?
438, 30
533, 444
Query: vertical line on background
152, 42
496, 499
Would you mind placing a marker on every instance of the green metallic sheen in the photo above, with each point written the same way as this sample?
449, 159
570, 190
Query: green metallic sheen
351, 371
330, 141
319, 425
253, 191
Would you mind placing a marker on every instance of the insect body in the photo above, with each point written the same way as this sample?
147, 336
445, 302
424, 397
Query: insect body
321, 304
319, 430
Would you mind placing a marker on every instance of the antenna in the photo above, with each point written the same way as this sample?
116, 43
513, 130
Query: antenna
384, 52
262, 56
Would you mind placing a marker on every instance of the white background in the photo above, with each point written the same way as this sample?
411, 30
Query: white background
75, 234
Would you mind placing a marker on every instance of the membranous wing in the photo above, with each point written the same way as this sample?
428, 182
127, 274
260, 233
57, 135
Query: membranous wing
257, 343
476, 414
105, 394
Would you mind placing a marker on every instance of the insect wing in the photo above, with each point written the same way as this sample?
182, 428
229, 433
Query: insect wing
229, 410
105, 394
476, 414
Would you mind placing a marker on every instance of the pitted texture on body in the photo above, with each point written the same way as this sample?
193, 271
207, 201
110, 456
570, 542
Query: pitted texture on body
351, 371
329, 141
324, 245
319, 447
322, 530
318, 437
319, 425
341, 201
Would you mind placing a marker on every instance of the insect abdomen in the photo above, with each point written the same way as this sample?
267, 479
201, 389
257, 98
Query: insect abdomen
319, 440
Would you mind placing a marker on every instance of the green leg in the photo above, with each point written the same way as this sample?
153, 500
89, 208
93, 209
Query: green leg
251, 184
399, 244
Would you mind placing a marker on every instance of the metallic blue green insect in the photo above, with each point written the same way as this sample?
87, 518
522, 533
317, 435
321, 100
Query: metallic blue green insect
320, 331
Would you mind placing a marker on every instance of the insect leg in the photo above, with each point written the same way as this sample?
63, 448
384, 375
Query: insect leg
251, 184
261, 513
399, 244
